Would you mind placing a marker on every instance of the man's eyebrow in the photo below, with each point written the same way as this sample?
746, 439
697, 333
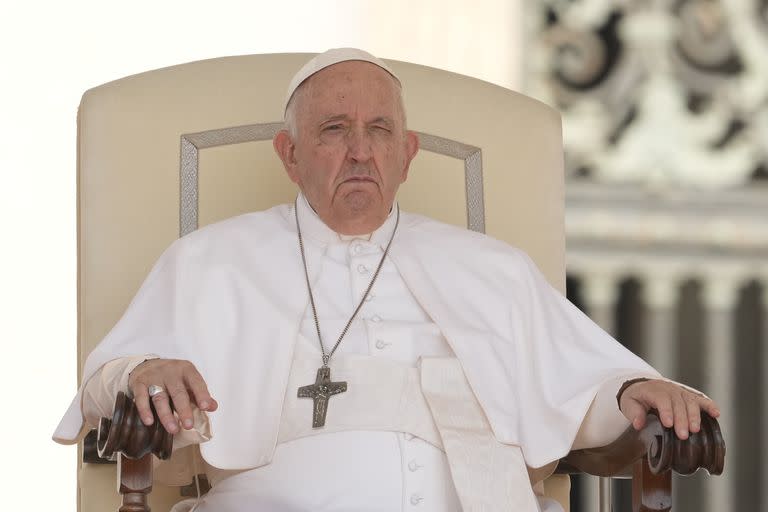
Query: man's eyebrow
343, 117
382, 119
337, 117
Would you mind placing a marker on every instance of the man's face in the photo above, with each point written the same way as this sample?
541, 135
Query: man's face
351, 151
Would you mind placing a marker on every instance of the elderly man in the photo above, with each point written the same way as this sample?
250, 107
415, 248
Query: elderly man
363, 358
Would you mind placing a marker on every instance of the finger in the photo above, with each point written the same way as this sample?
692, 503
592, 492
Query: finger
694, 413
680, 416
710, 406
164, 413
663, 405
636, 413
180, 401
199, 388
141, 398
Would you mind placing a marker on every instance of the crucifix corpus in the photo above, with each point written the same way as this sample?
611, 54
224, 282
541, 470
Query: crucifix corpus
319, 392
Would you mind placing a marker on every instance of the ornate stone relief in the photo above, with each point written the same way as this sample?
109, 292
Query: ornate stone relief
659, 92
665, 114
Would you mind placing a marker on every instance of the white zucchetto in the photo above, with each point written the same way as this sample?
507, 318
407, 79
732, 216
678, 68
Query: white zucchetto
329, 58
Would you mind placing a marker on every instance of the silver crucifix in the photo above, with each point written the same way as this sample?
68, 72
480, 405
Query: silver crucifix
320, 391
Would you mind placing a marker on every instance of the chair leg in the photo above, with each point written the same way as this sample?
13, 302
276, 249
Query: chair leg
135, 477
650, 493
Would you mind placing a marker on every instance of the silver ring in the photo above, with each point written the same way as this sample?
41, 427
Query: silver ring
155, 390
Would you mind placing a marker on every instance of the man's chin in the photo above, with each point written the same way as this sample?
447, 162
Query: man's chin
358, 200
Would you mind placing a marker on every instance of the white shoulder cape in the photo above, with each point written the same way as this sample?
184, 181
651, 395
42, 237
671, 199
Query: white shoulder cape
229, 297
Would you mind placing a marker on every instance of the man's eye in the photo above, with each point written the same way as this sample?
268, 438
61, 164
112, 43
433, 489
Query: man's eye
333, 127
382, 128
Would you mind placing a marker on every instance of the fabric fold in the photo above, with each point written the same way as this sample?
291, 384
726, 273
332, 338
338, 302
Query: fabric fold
489, 476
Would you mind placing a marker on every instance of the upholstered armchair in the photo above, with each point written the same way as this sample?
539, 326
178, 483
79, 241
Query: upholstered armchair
164, 152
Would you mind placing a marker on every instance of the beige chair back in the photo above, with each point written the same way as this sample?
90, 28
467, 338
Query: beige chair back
163, 152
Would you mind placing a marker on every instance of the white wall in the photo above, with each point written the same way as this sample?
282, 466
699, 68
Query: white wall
50, 52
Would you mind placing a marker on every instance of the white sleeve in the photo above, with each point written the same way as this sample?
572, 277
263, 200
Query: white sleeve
604, 421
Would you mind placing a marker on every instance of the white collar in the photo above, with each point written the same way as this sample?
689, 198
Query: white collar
314, 227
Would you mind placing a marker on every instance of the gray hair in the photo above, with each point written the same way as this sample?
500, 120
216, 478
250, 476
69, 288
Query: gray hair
289, 117
291, 109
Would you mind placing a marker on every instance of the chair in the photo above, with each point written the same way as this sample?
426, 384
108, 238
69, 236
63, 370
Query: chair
164, 152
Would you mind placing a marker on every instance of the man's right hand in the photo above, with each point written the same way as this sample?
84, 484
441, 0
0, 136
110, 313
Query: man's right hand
184, 387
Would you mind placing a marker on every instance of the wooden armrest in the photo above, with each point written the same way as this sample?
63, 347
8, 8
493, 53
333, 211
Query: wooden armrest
649, 457
664, 451
124, 433
125, 438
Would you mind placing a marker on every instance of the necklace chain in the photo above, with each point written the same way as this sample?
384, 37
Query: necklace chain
327, 356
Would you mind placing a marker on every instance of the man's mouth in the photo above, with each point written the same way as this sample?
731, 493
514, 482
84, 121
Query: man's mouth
357, 179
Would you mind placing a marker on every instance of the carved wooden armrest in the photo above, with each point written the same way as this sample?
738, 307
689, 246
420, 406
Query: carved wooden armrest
132, 443
124, 433
650, 456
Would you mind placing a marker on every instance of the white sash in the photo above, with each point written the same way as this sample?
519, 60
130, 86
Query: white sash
489, 476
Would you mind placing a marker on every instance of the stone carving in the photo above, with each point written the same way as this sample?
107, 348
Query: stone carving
664, 93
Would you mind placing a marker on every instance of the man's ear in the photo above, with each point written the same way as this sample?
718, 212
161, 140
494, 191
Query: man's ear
411, 148
285, 149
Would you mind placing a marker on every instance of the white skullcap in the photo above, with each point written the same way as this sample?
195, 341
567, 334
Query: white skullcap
329, 58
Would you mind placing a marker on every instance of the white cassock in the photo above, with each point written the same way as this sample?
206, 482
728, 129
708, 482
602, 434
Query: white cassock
461, 334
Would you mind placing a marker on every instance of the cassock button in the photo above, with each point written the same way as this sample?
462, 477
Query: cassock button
416, 499
381, 344
413, 466
362, 269
369, 297
357, 249
376, 318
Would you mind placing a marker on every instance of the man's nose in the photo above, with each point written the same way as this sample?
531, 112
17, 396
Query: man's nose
359, 145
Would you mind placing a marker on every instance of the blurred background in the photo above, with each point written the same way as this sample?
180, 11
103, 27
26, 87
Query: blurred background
665, 111
665, 107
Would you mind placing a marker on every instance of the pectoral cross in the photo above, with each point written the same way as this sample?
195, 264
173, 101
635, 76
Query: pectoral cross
320, 391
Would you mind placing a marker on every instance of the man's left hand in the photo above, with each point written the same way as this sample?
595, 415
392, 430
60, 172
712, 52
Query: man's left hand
676, 405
